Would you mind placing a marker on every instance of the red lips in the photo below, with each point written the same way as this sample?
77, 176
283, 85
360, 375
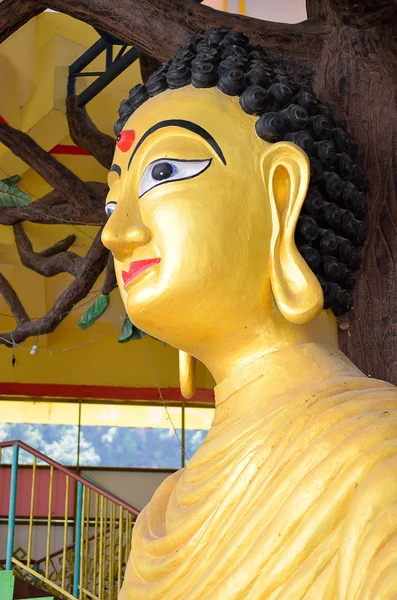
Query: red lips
137, 267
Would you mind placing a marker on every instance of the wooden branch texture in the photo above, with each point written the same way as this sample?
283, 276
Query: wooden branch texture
52, 209
52, 261
14, 14
75, 191
143, 23
365, 13
110, 278
86, 135
91, 267
356, 77
148, 65
11, 297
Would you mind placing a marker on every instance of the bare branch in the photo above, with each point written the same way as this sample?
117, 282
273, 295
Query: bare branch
11, 297
57, 175
148, 65
14, 14
91, 267
47, 265
51, 209
143, 23
53, 216
110, 279
86, 135
60, 246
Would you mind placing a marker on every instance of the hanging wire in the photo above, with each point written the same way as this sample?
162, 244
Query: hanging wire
155, 379
76, 307
62, 349
64, 221
43, 214
14, 351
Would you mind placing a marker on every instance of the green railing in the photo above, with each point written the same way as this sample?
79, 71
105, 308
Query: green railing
92, 566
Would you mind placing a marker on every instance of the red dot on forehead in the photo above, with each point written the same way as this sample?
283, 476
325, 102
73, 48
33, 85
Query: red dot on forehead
126, 139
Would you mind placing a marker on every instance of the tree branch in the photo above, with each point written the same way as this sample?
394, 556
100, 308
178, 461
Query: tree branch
86, 135
14, 14
51, 209
110, 279
142, 23
91, 267
58, 247
52, 262
148, 65
10, 296
317, 9
74, 191
352, 12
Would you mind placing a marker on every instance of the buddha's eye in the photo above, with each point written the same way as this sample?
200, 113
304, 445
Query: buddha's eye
165, 170
109, 208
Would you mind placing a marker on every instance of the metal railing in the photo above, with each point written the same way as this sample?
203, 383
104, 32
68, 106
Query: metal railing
100, 524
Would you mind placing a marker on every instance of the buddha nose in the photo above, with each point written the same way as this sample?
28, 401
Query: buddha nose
122, 240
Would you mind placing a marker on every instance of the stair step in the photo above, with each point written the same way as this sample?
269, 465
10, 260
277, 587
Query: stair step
14, 588
6, 585
24, 590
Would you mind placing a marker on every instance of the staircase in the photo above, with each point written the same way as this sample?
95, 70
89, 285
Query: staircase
10, 588
82, 529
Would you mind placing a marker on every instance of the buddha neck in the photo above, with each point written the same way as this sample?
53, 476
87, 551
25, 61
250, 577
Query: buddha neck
264, 336
279, 377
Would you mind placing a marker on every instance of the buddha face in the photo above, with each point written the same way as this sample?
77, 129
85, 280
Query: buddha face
191, 222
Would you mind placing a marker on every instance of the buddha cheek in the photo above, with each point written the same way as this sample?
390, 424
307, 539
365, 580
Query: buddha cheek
194, 242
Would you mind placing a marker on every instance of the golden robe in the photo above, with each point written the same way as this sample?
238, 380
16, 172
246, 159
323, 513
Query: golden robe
293, 494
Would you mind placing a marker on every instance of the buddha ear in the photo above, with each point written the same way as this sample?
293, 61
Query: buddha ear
297, 291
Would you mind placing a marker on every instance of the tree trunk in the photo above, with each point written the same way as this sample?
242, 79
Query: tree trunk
357, 76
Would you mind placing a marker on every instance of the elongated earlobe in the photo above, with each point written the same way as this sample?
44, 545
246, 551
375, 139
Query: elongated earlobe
297, 292
187, 374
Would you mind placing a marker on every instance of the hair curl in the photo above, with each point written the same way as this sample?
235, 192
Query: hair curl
329, 228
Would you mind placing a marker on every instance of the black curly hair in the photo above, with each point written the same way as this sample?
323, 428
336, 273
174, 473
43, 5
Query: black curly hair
329, 229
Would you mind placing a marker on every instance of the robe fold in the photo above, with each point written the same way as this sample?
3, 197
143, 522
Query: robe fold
292, 495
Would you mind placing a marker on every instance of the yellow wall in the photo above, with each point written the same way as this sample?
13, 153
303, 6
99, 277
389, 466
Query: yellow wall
34, 62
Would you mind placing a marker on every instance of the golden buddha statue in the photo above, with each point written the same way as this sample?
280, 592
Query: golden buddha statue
235, 210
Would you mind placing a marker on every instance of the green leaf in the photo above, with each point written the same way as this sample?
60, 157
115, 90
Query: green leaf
12, 196
94, 312
13, 180
130, 332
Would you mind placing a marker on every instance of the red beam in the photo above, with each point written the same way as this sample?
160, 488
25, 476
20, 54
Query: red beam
101, 392
67, 149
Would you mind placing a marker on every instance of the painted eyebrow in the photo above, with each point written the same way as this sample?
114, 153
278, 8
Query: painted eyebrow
116, 169
184, 125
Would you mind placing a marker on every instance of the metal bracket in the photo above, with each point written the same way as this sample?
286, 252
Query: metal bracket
113, 68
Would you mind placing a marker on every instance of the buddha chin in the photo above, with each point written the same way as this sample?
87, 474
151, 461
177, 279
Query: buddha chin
235, 217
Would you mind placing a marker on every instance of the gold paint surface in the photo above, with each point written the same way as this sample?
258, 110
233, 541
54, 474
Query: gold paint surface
187, 374
293, 494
